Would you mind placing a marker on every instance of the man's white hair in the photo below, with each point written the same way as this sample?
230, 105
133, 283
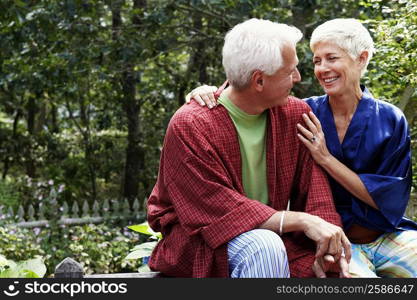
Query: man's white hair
348, 34
255, 45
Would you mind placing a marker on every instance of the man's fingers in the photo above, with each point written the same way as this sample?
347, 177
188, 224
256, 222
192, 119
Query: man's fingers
344, 268
329, 258
335, 247
318, 270
347, 248
322, 248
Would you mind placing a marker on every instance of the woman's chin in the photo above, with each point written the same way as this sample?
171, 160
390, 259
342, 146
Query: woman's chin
330, 91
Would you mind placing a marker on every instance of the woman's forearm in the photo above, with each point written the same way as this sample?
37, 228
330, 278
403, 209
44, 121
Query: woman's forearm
348, 179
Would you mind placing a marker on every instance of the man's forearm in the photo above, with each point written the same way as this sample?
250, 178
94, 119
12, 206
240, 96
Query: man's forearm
330, 239
292, 221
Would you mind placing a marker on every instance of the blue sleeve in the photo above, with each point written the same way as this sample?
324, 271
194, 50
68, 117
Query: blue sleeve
390, 186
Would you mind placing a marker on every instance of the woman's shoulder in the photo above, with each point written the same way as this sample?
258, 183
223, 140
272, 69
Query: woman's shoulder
388, 110
315, 101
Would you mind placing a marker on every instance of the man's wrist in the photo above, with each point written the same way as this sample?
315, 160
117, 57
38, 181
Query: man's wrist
296, 221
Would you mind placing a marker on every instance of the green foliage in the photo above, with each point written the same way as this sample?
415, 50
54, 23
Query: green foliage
144, 250
32, 268
144, 228
9, 196
99, 248
395, 63
87, 88
18, 244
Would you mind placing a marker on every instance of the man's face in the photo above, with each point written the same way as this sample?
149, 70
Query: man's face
277, 86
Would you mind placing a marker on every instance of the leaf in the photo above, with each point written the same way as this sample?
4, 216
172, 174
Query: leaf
32, 266
9, 273
145, 229
28, 274
144, 268
3, 261
142, 250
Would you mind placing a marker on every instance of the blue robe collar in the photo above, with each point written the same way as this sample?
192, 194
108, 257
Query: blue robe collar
356, 127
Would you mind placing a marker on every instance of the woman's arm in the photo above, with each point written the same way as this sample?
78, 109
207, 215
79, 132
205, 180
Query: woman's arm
337, 170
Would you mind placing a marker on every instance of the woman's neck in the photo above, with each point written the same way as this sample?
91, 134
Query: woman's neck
345, 104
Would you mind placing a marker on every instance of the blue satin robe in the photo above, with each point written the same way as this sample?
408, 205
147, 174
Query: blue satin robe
377, 148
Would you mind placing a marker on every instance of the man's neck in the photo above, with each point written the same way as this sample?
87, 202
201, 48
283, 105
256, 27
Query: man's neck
245, 100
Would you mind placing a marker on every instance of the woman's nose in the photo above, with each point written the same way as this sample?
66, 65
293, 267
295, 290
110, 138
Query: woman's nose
321, 67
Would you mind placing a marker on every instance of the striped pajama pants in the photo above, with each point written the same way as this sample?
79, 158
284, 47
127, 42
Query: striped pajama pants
391, 255
258, 253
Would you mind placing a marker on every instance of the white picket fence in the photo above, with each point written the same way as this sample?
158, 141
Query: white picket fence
98, 213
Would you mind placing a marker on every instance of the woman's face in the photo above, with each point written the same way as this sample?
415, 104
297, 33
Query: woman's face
335, 69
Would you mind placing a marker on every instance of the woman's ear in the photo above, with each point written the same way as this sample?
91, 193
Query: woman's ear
363, 58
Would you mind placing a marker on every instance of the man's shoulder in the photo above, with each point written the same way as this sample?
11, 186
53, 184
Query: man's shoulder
193, 115
294, 106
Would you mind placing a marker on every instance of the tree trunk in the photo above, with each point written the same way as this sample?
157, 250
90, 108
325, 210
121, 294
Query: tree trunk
88, 147
32, 110
196, 64
131, 105
54, 119
6, 161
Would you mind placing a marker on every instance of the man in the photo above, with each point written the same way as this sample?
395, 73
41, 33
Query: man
221, 195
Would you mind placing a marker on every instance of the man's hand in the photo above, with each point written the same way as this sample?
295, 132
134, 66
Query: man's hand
328, 264
330, 239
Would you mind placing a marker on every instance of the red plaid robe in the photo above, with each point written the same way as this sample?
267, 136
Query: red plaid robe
198, 202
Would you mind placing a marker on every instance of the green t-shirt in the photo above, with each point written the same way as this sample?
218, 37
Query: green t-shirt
251, 131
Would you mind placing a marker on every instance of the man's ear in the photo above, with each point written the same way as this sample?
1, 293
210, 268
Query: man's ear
257, 80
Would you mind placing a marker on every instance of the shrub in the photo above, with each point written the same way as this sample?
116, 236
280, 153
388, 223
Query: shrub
99, 248
8, 194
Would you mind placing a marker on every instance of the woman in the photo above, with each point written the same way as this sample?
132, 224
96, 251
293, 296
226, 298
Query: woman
364, 146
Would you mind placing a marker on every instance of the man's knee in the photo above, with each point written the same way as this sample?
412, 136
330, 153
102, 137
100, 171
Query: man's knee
258, 253
264, 240
268, 240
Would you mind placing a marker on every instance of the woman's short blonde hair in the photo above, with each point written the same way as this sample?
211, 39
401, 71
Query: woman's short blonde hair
348, 34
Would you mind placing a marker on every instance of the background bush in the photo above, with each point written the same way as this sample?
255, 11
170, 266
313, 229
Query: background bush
99, 248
